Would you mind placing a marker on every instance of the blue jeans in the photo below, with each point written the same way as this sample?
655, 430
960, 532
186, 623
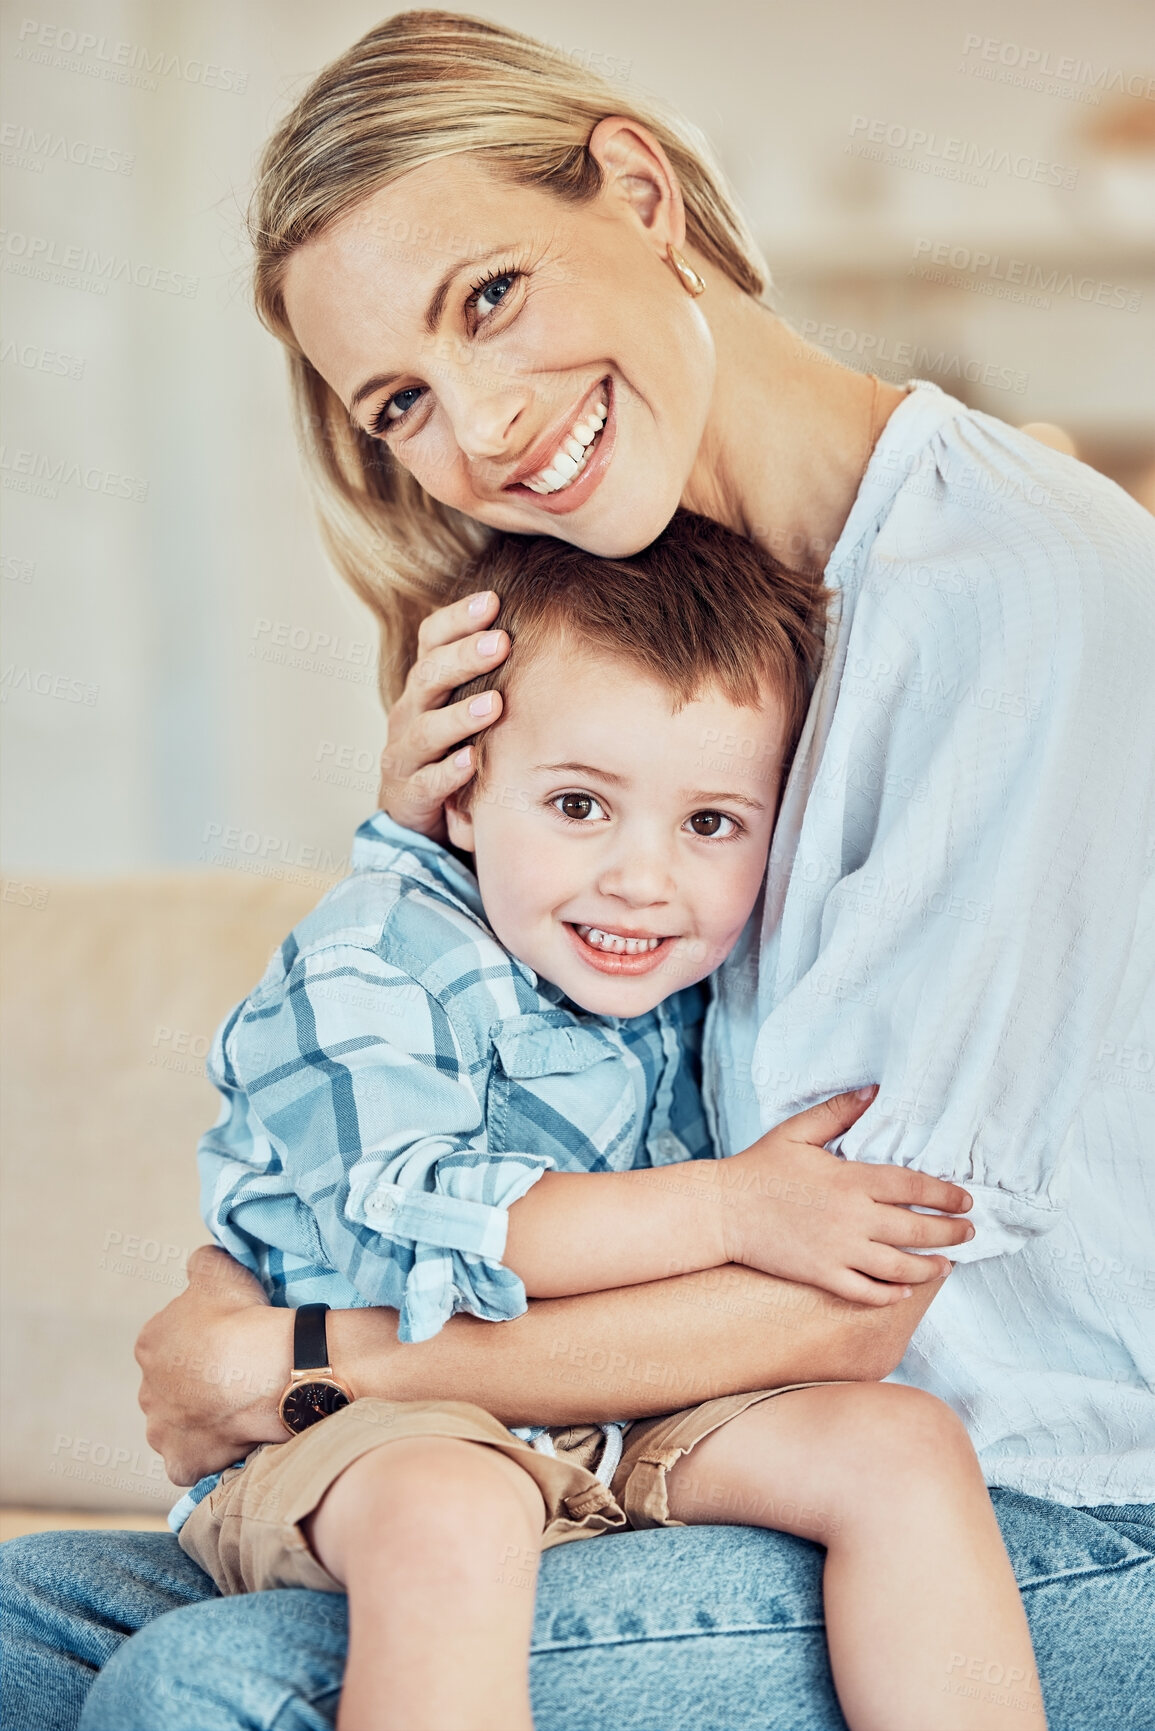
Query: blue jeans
676, 1629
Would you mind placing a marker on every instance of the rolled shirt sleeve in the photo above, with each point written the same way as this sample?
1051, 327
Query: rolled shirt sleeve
324, 1146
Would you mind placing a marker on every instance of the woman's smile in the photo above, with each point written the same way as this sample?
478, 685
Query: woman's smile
567, 468
568, 455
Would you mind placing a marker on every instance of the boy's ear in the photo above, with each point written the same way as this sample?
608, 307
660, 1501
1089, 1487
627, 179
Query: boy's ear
459, 823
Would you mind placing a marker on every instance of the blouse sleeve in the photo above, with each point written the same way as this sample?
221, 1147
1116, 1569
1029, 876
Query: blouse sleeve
956, 902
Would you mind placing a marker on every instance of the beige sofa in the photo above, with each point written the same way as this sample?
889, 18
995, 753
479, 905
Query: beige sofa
111, 994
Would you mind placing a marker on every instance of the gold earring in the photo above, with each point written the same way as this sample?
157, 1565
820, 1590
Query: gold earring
685, 273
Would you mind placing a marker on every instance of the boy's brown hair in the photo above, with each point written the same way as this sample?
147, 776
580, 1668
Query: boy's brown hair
700, 607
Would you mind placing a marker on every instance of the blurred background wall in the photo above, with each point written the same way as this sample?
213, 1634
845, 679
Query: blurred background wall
964, 193
960, 192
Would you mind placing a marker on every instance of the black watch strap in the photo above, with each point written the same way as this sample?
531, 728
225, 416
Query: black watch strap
310, 1344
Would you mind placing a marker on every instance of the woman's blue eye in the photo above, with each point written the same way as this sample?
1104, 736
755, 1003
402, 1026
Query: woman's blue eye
493, 292
401, 403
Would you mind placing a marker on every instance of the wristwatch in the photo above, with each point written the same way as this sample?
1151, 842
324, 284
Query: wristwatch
313, 1392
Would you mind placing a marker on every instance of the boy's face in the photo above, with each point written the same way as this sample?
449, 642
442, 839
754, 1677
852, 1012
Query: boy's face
619, 846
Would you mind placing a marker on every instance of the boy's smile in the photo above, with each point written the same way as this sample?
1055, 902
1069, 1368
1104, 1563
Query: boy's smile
619, 952
618, 853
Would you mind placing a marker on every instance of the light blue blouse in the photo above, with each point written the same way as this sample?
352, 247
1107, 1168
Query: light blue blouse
961, 907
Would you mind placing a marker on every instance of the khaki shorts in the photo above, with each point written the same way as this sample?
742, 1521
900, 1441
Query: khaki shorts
247, 1533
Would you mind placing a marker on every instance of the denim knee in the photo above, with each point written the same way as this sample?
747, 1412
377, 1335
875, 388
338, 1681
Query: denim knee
273, 1660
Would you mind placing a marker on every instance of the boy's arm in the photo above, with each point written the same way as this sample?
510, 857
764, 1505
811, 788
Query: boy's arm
354, 1139
352, 1153
785, 1207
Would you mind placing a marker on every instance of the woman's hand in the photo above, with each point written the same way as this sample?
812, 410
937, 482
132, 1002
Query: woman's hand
214, 1364
419, 768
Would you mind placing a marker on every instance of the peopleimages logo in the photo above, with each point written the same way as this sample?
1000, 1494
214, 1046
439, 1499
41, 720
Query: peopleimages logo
249, 850
932, 152
284, 644
938, 260
910, 360
1039, 69
24, 147
37, 359
130, 63
42, 682
38, 255
42, 475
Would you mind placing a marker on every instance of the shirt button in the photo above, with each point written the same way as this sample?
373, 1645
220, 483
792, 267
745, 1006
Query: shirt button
670, 1147
383, 1203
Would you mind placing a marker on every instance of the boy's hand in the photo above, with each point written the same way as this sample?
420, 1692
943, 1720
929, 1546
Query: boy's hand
800, 1212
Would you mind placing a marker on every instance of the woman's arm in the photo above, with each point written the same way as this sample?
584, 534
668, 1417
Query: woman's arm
635, 1351
215, 1360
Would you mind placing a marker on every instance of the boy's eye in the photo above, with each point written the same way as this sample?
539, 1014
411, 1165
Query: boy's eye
578, 807
712, 823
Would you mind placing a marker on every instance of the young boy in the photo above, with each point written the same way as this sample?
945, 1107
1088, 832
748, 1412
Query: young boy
455, 1088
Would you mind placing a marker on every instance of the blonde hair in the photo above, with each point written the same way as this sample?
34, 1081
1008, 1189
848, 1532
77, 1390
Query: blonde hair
418, 88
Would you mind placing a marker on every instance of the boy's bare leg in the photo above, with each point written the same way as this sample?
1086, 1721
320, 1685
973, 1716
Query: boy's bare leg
436, 1542
920, 1596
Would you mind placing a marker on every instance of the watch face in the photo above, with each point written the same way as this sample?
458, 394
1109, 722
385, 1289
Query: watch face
310, 1402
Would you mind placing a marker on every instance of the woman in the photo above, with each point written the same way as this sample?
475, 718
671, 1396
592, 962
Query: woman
467, 245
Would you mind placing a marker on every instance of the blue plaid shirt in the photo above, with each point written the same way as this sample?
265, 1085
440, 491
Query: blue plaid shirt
398, 1080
